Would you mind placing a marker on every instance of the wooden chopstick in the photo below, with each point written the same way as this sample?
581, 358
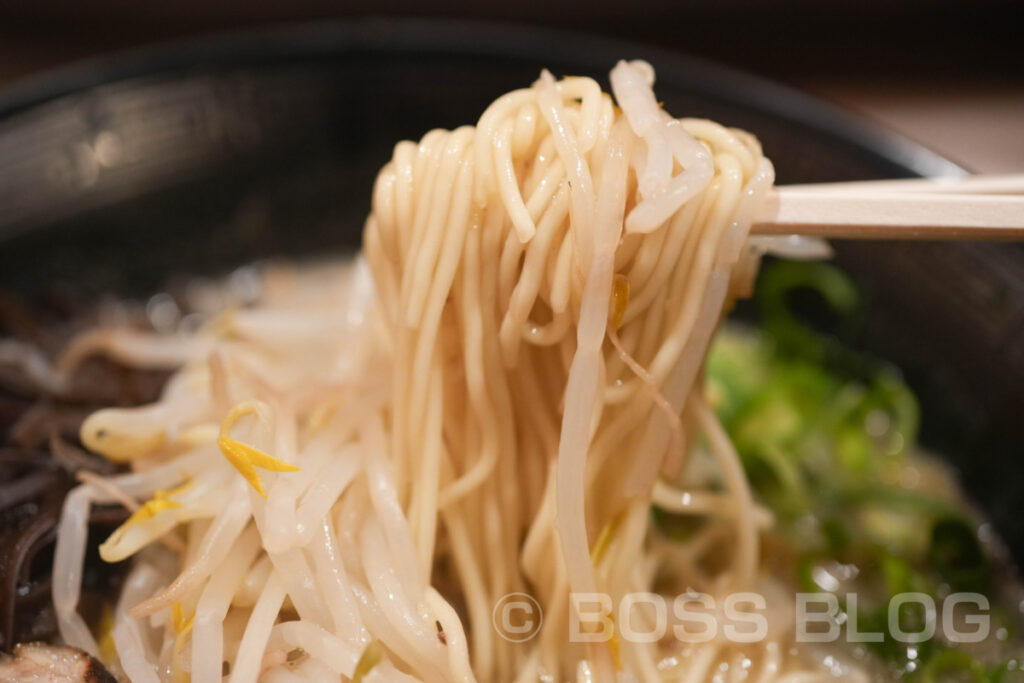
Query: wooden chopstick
972, 184
844, 214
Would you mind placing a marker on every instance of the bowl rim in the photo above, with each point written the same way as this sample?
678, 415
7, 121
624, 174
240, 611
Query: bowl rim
306, 41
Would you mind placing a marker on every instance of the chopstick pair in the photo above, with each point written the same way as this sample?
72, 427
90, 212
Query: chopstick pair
971, 208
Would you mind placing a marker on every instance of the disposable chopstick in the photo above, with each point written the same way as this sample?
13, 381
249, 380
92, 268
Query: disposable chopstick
972, 184
842, 214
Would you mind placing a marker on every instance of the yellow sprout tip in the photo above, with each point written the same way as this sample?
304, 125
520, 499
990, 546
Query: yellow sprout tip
604, 538
181, 625
181, 628
615, 647
242, 456
161, 501
246, 459
370, 658
108, 650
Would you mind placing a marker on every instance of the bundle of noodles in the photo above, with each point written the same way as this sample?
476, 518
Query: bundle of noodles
40, 413
346, 478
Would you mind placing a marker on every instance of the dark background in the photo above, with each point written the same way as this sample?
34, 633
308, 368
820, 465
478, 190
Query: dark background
946, 73
786, 39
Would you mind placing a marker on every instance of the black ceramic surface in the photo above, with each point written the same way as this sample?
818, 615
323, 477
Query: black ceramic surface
193, 158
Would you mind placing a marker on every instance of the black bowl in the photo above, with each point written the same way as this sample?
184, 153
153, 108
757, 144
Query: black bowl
197, 157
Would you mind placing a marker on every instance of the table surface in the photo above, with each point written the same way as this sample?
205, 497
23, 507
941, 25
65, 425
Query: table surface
980, 126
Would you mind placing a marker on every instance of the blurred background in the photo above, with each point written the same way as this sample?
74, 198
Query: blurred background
946, 73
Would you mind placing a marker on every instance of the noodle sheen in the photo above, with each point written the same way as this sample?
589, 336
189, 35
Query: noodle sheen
470, 411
